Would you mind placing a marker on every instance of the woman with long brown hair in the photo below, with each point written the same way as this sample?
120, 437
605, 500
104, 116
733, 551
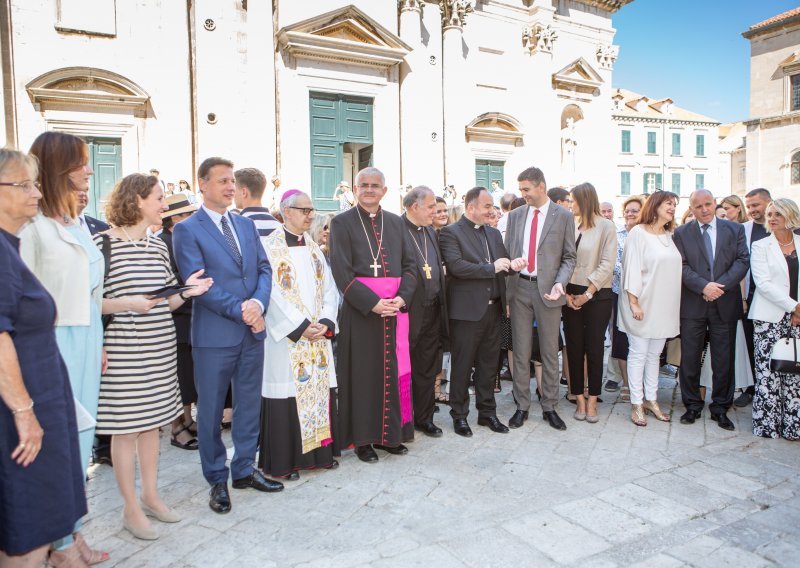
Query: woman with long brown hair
649, 301
62, 256
589, 298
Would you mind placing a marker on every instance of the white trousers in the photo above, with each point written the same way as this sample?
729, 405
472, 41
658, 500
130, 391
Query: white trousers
643, 366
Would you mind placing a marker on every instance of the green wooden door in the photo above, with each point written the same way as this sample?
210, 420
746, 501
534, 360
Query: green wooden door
487, 171
105, 158
336, 120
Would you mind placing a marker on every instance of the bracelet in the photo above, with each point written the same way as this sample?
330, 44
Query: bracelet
182, 297
23, 409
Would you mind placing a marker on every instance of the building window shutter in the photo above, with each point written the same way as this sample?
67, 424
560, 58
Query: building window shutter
651, 142
676, 144
700, 181
701, 145
795, 176
626, 141
658, 187
676, 183
795, 95
625, 183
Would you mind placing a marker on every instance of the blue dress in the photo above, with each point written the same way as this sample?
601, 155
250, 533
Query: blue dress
41, 503
81, 346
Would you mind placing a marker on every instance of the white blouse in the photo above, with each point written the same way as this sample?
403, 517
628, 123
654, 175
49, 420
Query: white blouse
651, 270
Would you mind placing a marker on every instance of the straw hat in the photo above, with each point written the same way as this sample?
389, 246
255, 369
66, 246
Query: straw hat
179, 204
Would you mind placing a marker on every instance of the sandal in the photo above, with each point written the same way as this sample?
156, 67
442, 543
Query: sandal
625, 394
90, 556
497, 387
190, 444
637, 415
192, 427
438, 394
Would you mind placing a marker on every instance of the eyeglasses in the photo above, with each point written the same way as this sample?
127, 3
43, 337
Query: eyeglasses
304, 210
27, 186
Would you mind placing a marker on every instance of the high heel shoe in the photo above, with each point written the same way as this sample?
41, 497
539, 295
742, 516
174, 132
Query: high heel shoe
67, 558
91, 557
168, 516
637, 415
147, 533
652, 407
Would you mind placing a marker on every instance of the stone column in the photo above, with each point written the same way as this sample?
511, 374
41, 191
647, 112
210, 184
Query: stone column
453, 72
412, 93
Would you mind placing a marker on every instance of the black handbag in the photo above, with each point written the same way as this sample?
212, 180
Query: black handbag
784, 356
106, 250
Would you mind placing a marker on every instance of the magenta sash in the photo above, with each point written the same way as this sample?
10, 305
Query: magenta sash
386, 288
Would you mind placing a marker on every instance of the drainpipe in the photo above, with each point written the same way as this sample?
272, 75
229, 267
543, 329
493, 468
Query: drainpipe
7, 70
190, 18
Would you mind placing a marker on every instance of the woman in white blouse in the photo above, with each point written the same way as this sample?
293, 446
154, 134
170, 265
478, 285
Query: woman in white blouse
649, 300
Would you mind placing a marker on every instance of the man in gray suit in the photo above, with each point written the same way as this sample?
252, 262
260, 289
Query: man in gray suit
544, 234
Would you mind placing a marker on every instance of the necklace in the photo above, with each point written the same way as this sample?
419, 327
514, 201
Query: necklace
789, 243
658, 236
425, 267
147, 239
375, 264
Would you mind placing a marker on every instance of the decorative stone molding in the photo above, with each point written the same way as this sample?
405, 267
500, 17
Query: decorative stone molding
578, 78
88, 87
409, 5
495, 126
454, 12
607, 55
539, 38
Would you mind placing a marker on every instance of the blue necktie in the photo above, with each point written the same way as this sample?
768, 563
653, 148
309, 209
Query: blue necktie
226, 230
709, 248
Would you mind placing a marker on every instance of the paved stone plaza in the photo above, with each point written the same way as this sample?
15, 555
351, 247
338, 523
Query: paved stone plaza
606, 494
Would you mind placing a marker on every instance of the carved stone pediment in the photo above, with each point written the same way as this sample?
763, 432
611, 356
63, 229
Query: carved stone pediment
347, 35
495, 126
579, 77
86, 86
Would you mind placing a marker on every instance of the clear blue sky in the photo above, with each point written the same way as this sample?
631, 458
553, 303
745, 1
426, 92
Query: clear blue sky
691, 51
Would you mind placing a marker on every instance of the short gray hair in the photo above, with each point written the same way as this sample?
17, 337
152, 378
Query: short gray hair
370, 171
416, 195
506, 201
10, 157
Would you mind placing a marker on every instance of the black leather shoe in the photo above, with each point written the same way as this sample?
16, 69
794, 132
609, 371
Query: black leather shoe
519, 418
743, 399
400, 450
554, 420
430, 429
366, 454
494, 424
723, 421
294, 476
257, 481
220, 501
461, 427
690, 416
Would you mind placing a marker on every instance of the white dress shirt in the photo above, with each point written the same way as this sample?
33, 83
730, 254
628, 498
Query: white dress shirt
712, 232
526, 237
217, 218
84, 225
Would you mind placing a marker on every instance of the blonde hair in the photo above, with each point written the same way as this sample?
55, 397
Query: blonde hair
454, 213
788, 210
735, 201
10, 157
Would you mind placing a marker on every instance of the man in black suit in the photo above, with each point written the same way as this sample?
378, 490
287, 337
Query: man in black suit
427, 312
477, 263
88, 224
715, 259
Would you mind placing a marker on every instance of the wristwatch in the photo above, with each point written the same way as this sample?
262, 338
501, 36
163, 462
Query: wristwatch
588, 294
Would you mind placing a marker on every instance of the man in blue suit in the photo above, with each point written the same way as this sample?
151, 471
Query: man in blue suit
227, 330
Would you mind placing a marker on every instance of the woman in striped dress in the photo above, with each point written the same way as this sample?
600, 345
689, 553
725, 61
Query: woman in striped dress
139, 390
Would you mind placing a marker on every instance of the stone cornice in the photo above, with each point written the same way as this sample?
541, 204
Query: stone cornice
623, 118
607, 5
299, 44
790, 117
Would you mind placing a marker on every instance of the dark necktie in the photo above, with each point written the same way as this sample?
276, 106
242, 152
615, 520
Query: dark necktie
226, 231
709, 248
532, 242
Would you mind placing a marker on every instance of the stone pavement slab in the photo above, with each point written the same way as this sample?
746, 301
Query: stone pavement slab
598, 495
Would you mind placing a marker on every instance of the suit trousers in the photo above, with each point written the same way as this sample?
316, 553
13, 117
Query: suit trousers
475, 342
426, 361
526, 306
723, 341
584, 335
242, 368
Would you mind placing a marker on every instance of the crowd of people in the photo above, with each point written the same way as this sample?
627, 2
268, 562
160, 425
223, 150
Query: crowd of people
328, 332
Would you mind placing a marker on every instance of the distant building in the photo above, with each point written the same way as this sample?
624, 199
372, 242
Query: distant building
732, 157
773, 130
660, 146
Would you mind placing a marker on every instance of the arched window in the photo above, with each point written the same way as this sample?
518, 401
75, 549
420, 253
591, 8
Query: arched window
795, 168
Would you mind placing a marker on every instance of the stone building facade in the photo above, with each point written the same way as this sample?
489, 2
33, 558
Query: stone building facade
435, 92
773, 129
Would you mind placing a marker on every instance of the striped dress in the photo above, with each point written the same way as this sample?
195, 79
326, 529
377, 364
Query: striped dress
139, 390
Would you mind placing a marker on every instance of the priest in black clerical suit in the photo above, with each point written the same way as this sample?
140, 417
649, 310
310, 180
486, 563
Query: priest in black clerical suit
427, 312
374, 270
477, 264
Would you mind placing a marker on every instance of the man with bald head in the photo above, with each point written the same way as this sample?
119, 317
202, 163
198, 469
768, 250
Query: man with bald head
715, 259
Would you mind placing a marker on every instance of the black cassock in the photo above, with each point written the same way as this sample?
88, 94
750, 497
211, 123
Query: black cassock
366, 364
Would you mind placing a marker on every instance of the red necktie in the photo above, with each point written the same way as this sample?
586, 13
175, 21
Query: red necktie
532, 243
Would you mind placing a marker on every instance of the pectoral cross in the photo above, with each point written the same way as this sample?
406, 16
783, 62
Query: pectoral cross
375, 266
427, 268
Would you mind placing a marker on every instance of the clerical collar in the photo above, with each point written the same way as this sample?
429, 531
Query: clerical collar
293, 240
367, 213
411, 223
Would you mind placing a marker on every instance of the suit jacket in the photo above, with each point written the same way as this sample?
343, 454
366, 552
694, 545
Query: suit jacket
469, 276
95, 225
414, 309
731, 263
555, 253
217, 314
182, 316
771, 300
